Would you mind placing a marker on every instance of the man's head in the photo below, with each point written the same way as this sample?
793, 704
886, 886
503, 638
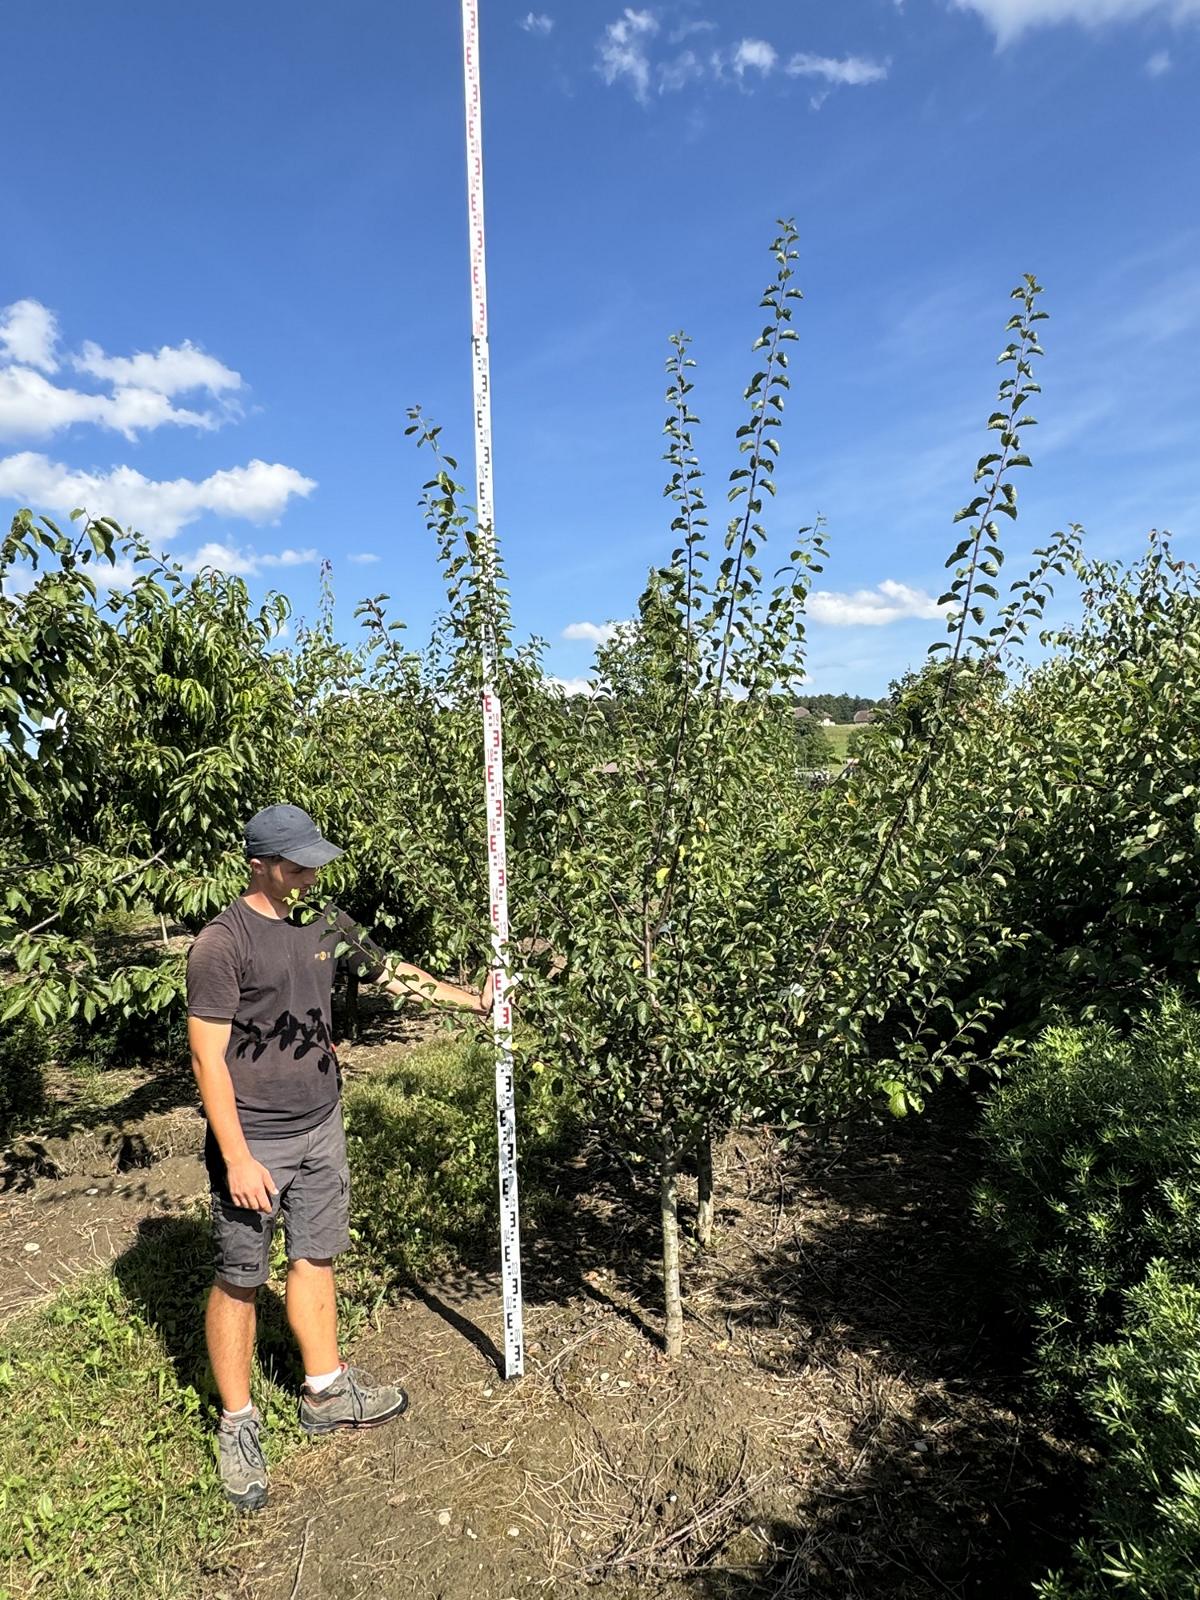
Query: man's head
285, 850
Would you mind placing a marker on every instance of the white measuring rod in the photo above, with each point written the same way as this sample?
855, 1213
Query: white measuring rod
506, 1118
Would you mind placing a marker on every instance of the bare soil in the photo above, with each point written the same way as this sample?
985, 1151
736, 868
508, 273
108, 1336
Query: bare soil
846, 1420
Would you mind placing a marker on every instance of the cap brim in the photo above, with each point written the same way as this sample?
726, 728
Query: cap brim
314, 855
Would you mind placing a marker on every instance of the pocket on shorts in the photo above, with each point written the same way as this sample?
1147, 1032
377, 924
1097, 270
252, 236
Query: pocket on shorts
241, 1243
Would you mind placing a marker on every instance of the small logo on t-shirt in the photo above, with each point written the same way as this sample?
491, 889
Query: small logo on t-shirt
322, 955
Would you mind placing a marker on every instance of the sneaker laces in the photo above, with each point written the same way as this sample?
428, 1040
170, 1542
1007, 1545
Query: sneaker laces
248, 1443
358, 1395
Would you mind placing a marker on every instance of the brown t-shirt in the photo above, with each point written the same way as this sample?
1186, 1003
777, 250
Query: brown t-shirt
272, 978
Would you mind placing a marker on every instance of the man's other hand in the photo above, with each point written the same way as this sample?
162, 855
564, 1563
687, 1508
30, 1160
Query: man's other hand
251, 1186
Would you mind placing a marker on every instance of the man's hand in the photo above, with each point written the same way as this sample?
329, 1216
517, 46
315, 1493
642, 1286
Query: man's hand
250, 1184
485, 998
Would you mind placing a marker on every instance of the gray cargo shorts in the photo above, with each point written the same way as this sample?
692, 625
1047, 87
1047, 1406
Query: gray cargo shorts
313, 1180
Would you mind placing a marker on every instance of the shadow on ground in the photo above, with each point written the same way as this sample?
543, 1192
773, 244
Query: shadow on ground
166, 1276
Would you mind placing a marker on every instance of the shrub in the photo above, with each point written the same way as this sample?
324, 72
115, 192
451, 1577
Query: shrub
1146, 1400
1094, 1171
24, 1050
422, 1144
1093, 1183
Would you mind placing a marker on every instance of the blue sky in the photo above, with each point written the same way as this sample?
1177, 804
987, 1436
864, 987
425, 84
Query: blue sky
235, 253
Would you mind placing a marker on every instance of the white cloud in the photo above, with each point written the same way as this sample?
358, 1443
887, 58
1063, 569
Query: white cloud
1158, 63
29, 334
364, 558
33, 407
172, 369
848, 70
257, 492
1008, 19
594, 632
890, 602
139, 387
242, 563
755, 53
537, 22
623, 51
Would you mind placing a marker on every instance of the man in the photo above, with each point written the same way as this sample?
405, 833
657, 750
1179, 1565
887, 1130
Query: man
260, 979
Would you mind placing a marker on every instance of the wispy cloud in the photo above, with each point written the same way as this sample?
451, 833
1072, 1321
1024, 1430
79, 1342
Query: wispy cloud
756, 53
624, 53
1009, 19
848, 71
1158, 63
258, 492
889, 602
139, 389
537, 22
364, 558
686, 30
681, 70
593, 632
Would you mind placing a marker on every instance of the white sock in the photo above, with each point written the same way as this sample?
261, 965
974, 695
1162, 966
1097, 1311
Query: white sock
237, 1416
323, 1380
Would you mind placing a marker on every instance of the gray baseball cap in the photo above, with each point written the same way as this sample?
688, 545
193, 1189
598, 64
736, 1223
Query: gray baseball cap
289, 832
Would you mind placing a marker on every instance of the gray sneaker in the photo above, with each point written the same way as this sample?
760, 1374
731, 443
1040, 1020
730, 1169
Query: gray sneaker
241, 1463
352, 1401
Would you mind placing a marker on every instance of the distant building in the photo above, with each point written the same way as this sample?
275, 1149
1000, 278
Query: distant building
828, 722
801, 713
865, 716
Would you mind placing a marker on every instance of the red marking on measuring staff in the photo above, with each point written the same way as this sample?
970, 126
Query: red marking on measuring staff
493, 742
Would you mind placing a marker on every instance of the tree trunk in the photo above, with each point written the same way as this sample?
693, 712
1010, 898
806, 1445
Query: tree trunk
704, 1191
669, 1204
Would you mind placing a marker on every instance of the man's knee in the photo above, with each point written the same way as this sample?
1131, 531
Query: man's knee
324, 1263
245, 1292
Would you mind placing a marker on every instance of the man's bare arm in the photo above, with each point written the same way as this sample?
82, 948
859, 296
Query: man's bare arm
413, 983
250, 1184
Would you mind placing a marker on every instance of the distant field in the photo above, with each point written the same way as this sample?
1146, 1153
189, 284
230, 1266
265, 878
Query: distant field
838, 737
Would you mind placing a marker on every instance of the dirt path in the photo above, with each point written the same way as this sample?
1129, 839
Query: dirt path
843, 1423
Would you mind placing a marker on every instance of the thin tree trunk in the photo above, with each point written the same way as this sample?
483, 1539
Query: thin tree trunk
669, 1204
704, 1190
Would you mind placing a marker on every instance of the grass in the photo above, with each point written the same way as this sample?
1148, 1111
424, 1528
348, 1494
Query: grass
839, 738
107, 1482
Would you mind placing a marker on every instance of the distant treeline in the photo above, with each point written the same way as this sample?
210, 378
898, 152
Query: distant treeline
837, 707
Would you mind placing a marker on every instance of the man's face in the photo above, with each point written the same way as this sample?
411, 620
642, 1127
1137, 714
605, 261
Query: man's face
287, 881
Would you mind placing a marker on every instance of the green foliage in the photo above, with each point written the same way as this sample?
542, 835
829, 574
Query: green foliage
1094, 1170
1093, 1184
1146, 1402
119, 1040
24, 1051
139, 732
422, 1141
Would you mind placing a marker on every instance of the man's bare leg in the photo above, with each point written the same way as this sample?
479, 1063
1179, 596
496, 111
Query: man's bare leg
229, 1326
312, 1314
